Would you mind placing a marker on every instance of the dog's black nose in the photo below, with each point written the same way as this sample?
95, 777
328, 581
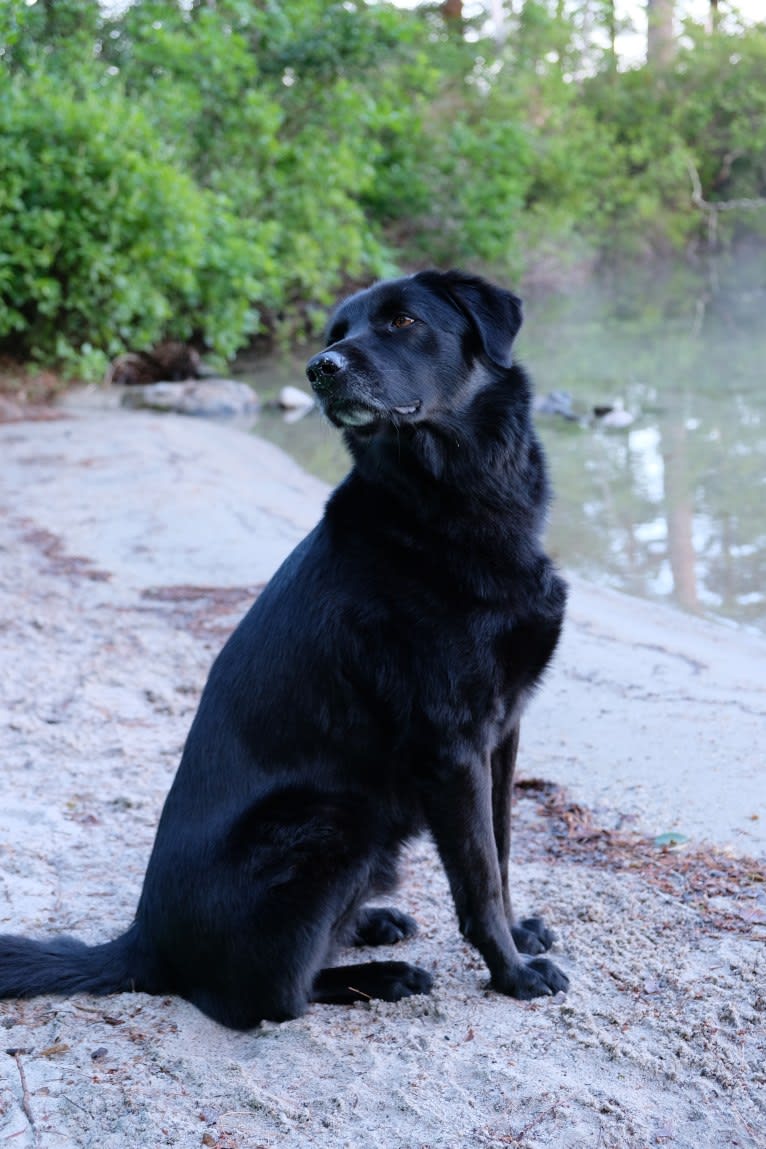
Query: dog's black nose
323, 369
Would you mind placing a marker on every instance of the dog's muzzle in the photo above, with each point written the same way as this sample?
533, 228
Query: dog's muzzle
327, 373
343, 400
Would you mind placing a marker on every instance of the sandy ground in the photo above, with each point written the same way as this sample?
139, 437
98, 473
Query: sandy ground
129, 546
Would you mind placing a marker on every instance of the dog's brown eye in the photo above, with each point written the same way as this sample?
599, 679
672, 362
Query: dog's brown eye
402, 321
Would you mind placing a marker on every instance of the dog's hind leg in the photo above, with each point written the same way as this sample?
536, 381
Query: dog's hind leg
270, 938
263, 974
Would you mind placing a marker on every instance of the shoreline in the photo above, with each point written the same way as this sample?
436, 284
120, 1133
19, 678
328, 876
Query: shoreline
178, 502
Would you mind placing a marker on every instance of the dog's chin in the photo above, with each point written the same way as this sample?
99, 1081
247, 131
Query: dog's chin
354, 417
358, 417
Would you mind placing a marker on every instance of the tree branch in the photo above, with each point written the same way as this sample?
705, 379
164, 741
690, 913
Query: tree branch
698, 199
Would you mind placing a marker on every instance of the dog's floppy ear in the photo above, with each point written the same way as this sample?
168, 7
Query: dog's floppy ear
495, 312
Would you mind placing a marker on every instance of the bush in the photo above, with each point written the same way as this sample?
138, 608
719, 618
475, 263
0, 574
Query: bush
205, 170
270, 106
103, 242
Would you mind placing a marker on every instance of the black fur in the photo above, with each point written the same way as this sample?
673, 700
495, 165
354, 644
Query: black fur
374, 690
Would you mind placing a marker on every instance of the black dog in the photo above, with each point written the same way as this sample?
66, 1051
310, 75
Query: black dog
373, 690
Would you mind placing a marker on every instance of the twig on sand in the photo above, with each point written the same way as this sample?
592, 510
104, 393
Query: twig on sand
361, 993
26, 1101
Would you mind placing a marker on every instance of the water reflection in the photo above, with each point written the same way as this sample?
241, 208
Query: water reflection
674, 506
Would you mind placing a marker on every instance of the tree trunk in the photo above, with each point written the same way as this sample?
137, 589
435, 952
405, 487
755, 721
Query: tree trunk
660, 43
679, 514
452, 11
611, 26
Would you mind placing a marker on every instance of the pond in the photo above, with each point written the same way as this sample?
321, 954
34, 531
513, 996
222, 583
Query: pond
671, 506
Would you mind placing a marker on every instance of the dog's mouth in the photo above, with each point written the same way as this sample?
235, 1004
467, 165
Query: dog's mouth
355, 416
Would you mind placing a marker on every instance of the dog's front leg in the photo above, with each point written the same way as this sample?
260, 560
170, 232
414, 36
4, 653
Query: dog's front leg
458, 805
531, 935
503, 766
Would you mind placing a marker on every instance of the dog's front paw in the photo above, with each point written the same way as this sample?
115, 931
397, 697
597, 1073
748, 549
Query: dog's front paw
382, 926
536, 978
555, 980
532, 936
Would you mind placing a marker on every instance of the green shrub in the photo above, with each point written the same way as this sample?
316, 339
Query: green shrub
103, 242
205, 170
270, 106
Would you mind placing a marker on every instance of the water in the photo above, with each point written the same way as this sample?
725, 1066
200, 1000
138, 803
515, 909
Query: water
671, 507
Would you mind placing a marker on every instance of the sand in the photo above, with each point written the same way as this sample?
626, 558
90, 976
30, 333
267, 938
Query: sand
130, 544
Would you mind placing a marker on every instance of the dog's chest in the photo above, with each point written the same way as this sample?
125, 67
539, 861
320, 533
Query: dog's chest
470, 672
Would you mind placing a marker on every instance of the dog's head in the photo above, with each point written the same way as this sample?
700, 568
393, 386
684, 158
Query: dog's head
406, 349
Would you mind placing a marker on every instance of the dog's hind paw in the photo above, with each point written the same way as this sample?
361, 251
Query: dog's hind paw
532, 936
397, 979
387, 980
382, 926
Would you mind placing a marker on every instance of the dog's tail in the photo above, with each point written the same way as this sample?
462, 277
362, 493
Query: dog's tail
64, 965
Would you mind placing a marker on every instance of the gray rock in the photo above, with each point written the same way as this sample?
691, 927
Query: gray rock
555, 403
614, 415
211, 397
294, 399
